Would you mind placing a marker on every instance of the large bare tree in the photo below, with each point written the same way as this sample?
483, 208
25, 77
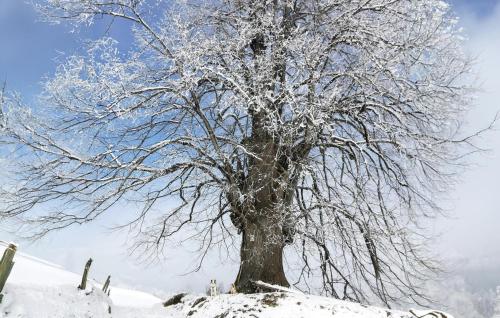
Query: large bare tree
328, 125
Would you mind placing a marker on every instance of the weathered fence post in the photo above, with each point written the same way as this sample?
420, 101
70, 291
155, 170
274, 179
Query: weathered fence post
83, 284
6, 265
106, 284
213, 288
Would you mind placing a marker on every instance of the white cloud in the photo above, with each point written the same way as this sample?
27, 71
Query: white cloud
475, 228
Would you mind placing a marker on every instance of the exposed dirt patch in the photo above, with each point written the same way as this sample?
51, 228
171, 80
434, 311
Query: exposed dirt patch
223, 315
271, 300
177, 299
198, 301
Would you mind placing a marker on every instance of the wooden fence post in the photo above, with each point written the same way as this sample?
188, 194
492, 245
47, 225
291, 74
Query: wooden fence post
6, 265
106, 284
83, 284
213, 288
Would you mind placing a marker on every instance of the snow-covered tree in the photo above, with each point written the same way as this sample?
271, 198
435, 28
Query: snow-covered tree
327, 125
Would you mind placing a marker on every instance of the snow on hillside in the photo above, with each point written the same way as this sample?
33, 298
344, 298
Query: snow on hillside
38, 289
281, 305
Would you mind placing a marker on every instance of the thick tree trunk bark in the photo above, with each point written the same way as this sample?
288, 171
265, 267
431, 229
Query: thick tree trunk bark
262, 216
261, 256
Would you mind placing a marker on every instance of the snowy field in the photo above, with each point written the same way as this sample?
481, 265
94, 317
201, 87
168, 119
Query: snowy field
39, 289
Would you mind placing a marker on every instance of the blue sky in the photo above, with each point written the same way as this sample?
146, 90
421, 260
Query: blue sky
29, 48
28, 52
481, 8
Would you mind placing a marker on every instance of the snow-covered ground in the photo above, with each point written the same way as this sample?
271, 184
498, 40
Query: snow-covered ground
281, 305
38, 289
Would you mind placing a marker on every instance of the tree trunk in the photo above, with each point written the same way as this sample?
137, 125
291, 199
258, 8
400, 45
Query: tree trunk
261, 256
262, 216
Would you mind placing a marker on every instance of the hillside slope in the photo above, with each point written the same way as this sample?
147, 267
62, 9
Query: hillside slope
38, 289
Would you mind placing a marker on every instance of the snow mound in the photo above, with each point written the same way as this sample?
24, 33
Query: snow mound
64, 301
284, 304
